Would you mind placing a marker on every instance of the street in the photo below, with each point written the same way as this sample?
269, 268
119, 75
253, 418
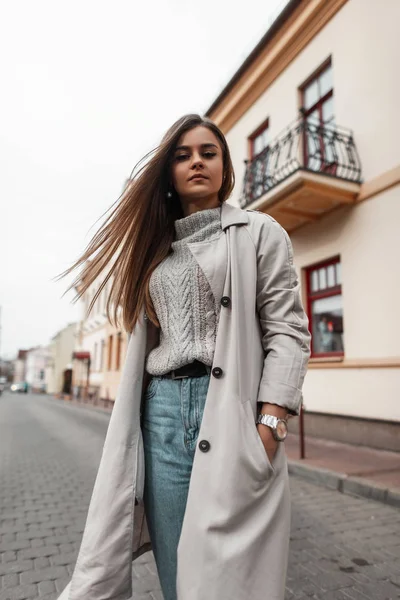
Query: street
342, 547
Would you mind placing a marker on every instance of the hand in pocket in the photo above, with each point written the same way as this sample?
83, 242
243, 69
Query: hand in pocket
270, 444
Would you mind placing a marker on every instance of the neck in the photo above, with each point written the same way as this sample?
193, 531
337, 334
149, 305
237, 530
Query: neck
192, 205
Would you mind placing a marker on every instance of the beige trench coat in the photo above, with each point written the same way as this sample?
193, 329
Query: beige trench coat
235, 534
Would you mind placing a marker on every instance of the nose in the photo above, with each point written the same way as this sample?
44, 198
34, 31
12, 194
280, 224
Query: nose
197, 161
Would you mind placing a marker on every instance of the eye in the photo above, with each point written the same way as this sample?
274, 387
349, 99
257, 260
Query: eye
181, 157
210, 154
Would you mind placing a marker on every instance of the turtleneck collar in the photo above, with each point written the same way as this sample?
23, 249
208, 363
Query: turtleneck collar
190, 226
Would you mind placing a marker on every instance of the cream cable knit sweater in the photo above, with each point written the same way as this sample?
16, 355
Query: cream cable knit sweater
184, 303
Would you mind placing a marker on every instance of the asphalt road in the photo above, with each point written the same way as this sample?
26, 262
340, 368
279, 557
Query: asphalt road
342, 547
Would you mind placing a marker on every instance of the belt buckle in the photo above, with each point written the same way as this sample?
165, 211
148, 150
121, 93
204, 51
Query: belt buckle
173, 376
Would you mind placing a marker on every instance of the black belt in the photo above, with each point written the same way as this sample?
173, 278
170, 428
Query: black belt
194, 369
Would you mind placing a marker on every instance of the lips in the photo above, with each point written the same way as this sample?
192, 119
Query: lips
197, 176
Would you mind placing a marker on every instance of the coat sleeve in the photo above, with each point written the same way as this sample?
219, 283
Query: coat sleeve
284, 324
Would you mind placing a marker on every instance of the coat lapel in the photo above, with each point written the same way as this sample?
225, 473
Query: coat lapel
212, 257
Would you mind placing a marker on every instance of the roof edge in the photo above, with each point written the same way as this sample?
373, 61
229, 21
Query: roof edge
281, 19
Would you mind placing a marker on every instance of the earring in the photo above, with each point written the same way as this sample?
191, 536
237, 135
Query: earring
169, 194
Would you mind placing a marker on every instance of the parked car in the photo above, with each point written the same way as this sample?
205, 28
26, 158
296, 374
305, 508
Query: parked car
21, 387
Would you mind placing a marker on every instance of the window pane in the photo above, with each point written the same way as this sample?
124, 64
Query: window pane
314, 281
327, 111
322, 278
338, 273
331, 276
260, 142
257, 145
311, 95
327, 325
326, 81
313, 141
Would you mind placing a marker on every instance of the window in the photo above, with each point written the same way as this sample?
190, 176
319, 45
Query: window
110, 348
257, 177
325, 308
119, 344
259, 140
318, 110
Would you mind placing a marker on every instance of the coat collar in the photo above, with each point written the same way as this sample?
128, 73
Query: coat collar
232, 215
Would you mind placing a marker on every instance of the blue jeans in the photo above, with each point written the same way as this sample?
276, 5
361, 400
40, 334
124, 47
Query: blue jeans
172, 414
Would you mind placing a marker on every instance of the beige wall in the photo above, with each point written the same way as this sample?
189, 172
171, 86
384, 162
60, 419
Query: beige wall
62, 348
364, 43
95, 329
367, 239
91, 332
366, 393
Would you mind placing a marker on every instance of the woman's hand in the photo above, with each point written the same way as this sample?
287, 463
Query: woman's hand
270, 444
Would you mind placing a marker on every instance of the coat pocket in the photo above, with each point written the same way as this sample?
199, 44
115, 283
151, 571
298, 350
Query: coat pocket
255, 442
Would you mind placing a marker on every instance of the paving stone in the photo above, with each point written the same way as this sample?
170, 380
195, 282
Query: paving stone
342, 547
36, 552
8, 556
46, 587
42, 562
10, 580
61, 584
43, 574
16, 567
20, 592
64, 559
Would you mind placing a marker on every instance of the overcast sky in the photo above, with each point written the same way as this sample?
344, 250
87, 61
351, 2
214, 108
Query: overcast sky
88, 87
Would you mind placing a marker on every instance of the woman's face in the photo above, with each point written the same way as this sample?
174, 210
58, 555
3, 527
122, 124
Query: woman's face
197, 167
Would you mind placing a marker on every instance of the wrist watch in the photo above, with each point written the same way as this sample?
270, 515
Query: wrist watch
278, 427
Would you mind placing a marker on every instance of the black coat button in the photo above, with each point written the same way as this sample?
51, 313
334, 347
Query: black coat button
204, 446
217, 372
225, 301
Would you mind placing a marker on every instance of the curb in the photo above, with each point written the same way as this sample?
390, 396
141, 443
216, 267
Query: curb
355, 486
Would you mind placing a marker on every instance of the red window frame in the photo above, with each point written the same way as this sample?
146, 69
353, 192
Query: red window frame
263, 127
327, 167
318, 295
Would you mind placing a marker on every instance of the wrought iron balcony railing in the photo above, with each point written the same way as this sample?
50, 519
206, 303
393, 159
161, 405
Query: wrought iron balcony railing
305, 145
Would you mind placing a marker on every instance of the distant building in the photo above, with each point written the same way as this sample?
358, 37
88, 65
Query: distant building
20, 367
6, 371
59, 367
99, 351
311, 119
36, 364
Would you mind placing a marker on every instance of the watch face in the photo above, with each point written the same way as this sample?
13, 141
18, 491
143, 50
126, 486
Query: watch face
281, 430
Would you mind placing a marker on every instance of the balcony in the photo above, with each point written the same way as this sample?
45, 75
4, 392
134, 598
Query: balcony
306, 172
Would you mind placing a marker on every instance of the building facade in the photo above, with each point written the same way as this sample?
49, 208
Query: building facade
310, 119
99, 351
20, 367
59, 370
37, 360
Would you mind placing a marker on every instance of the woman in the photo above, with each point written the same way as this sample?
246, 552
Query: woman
219, 336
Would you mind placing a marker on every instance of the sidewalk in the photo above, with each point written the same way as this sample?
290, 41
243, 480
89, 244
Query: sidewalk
349, 469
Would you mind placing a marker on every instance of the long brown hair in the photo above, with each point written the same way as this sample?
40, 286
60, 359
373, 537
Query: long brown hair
137, 234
